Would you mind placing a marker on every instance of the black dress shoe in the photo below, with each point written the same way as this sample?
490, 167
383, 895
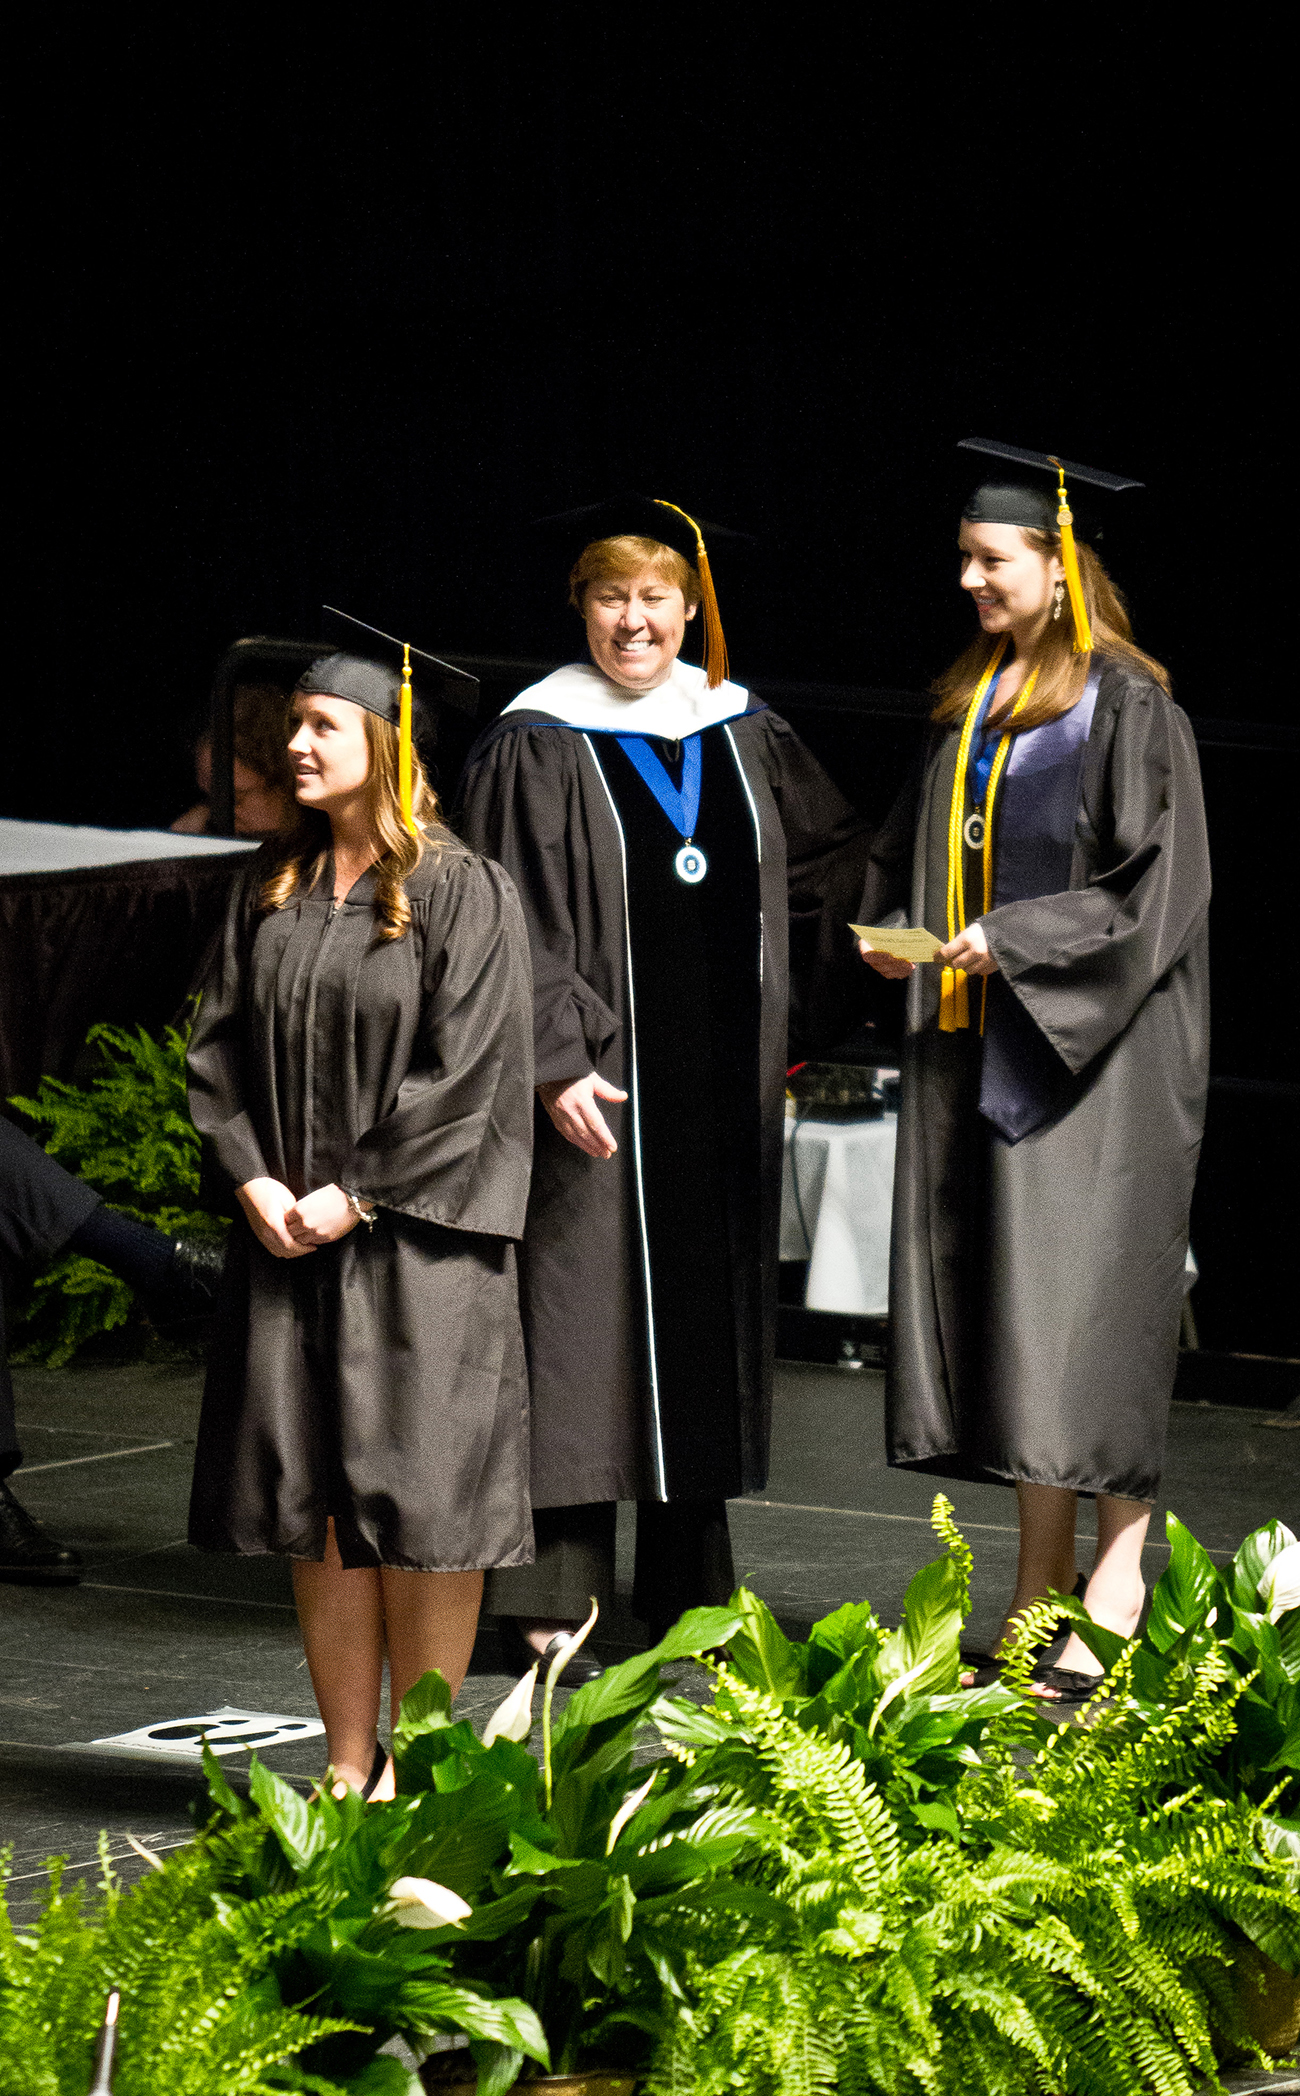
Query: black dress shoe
29, 1554
581, 1668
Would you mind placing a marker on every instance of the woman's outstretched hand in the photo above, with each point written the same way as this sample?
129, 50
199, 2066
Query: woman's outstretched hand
969, 950
887, 964
321, 1218
267, 1204
571, 1104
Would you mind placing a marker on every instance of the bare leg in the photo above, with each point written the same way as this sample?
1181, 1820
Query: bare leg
539, 1630
341, 1614
431, 1620
1047, 1514
1115, 1590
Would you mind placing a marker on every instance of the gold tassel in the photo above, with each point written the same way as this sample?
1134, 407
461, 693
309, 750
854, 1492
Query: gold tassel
1070, 562
715, 646
405, 767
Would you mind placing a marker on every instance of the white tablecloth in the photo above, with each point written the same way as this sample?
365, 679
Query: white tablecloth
836, 1196
58, 847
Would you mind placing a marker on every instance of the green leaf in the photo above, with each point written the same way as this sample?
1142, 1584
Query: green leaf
384, 2076
528, 1861
628, 1690
1248, 1566
498, 2066
761, 1653
924, 1654
940, 1815
1185, 1591
297, 1827
219, 1789
425, 1707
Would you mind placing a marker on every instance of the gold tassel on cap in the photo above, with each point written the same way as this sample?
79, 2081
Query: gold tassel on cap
405, 782
1070, 562
715, 647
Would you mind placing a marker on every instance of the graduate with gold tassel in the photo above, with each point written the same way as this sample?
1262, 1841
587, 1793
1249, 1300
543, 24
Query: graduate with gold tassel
1049, 1127
660, 824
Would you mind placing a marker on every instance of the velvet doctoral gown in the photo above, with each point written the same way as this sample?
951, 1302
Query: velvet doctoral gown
648, 1281
381, 1379
1036, 1281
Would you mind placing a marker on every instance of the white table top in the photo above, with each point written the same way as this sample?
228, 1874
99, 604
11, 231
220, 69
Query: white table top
60, 847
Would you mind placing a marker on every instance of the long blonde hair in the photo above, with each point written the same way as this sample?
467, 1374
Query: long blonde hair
305, 849
1062, 674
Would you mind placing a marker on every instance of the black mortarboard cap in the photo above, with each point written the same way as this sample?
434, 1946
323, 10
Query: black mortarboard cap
1004, 501
631, 515
382, 680
1037, 509
370, 673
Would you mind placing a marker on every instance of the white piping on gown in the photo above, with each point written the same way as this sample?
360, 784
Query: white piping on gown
661, 1476
758, 841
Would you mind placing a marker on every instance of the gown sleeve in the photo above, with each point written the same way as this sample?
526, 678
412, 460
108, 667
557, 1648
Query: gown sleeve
456, 1147
1082, 962
518, 806
827, 846
215, 1061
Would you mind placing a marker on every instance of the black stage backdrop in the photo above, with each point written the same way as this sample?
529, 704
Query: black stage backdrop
308, 312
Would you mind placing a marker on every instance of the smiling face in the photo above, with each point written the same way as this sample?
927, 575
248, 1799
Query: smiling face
1011, 583
635, 628
329, 752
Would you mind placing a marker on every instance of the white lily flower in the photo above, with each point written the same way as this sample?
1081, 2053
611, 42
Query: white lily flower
419, 1903
633, 1802
1279, 1589
513, 1719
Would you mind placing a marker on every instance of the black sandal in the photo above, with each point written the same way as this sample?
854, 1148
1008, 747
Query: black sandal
987, 1669
377, 1767
1071, 1685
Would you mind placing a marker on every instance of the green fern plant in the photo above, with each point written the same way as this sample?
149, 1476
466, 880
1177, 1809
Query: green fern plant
201, 2014
129, 1135
1077, 1937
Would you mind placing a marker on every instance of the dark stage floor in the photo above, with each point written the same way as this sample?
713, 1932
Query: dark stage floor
157, 1631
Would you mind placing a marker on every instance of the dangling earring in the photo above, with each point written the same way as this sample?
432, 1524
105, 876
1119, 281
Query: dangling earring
1060, 599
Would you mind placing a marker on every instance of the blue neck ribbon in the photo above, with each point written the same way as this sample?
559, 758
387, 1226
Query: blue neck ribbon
682, 808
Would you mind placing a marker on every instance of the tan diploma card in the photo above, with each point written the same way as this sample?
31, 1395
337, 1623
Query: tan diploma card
905, 943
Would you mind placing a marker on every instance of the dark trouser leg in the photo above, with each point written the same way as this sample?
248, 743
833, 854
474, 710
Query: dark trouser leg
11, 1454
574, 1562
683, 1560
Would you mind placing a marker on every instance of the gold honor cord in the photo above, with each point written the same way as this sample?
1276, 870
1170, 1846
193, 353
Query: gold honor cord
405, 782
715, 647
1070, 562
954, 998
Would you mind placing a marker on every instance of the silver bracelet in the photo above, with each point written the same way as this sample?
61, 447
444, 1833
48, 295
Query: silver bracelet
363, 1215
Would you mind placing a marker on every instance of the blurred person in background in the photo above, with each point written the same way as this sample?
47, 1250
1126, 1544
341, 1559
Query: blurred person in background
264, 802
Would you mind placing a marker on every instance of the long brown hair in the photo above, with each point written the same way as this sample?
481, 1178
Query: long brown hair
1062, 674
305, 849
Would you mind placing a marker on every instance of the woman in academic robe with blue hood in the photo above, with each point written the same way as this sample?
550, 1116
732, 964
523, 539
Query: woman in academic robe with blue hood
664, 829
1056, 1053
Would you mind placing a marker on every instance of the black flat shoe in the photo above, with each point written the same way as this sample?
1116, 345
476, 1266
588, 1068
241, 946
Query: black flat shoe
377, 1767
29, 1554
982, 1666
1070, 1685
581, 1668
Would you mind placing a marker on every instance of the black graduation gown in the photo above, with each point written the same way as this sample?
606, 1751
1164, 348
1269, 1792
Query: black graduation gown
648, 1282
1036, 1285
380, 1379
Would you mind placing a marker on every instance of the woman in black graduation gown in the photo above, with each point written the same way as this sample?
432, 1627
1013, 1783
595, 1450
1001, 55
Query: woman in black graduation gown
1054, 1072
361, 1071
660, 824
